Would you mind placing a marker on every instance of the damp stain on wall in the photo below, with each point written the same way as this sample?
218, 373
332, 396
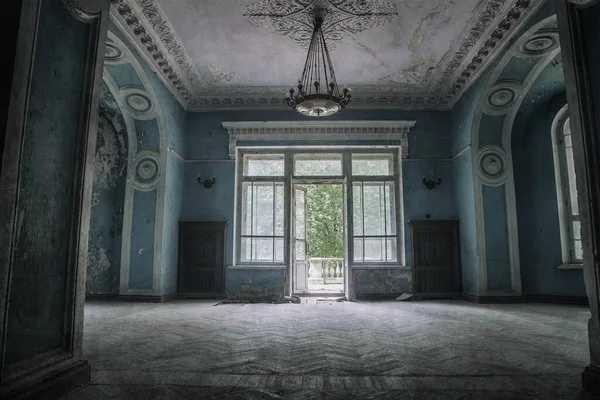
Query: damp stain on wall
108, 197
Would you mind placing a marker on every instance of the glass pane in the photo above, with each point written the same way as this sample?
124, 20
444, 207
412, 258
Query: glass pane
358, 250
262, 249
246, 248
373, 208
278, 250
358, 209
390, 209
372, 164
392, 252
578, 250
247, 208
568, 142
317, 164
374, 250
263, 209
279, 209
300, 250
263, 165
571, 180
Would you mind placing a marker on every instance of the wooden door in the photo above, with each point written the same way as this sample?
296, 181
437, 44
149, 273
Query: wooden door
202, 259
435, 254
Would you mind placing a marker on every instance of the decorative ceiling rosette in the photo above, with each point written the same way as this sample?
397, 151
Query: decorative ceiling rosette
341, 19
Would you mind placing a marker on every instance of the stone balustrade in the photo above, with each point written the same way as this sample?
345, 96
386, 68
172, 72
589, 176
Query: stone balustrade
326, 270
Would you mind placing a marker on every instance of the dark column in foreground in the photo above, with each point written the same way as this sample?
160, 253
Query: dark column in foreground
579, 27
48, 120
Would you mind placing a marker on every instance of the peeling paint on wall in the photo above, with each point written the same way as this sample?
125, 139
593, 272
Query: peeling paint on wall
383, 281
108, 197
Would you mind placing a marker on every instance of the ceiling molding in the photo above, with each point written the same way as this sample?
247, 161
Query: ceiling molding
318, 130
144, 23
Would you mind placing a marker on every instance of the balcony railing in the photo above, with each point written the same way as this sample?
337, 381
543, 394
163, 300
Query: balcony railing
324, 271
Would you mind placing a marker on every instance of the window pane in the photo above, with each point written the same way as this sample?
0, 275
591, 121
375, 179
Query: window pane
576, 230
390, 209
263, 209
300, 219
278, 250
279, 209
374, 249
392, 251
317, 164
263, 165
568, 142
571, 180
358, 209
246, 248
373, 208
358, 250
578, 249
247, 208
262, 249
372, 164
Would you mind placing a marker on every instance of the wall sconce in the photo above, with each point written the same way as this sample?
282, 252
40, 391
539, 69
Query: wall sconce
207, 182
430, 183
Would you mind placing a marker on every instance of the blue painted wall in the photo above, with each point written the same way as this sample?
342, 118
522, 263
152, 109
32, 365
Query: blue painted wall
160, 134
537, 206
429, 141
108, 198
462, 170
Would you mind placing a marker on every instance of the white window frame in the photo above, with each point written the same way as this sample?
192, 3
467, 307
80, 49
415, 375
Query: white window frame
563, 194
288, 178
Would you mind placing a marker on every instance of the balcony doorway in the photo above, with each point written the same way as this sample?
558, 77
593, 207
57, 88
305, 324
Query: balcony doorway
319, 217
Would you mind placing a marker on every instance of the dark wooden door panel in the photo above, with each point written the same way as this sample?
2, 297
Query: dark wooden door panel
202, 258
436, 260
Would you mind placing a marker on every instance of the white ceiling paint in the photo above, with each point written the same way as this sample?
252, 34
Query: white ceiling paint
216, 57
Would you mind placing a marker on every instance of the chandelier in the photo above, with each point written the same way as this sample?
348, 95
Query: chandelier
318, 94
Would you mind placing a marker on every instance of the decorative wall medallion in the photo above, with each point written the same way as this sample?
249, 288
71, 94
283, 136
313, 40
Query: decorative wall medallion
138, 102
501, 97
492, 165
343, 18
146, 169
539, 44
113, 54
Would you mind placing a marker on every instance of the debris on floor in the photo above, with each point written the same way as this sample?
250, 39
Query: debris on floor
404, 297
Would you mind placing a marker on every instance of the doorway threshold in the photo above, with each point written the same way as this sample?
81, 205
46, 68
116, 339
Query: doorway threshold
320, 294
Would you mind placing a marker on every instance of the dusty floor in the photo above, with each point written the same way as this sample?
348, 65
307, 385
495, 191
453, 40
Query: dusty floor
396, 350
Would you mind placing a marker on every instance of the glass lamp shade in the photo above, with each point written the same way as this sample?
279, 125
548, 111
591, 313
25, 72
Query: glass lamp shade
319, 105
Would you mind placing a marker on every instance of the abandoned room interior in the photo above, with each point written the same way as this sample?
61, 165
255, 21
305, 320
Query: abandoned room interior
277, 199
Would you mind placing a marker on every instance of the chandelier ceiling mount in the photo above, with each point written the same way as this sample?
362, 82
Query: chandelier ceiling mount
317, 93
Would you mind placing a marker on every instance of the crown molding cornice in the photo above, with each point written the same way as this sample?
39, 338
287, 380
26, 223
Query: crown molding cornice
144, 23
318, 130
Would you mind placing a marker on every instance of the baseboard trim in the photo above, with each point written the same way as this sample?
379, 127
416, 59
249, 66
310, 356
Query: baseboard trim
572, 300
132, 298
537, 298
52, 386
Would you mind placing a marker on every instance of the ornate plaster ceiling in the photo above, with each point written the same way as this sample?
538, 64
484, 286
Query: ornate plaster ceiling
233, 54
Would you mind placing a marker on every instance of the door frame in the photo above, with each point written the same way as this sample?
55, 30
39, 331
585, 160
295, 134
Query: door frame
336, 180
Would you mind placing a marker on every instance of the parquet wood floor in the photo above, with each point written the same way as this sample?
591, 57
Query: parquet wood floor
339, 350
